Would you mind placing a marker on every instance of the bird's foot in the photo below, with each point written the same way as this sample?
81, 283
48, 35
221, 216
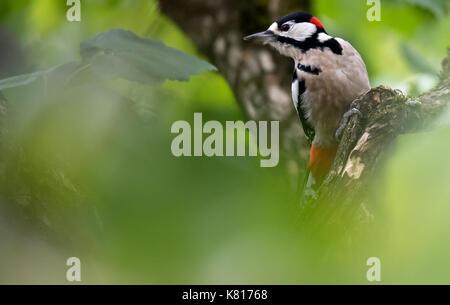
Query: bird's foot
345, 119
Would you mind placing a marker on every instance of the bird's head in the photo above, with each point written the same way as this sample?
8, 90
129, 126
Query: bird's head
291, 32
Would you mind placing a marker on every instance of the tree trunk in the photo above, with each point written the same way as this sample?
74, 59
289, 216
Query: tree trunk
259, 76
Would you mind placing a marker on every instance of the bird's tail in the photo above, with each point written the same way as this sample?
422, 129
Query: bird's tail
320, 161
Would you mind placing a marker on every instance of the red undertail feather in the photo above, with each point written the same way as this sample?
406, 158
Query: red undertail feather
320, 161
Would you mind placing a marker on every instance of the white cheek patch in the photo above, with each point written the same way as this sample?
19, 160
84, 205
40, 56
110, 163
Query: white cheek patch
274, 27
324, 37
300, 31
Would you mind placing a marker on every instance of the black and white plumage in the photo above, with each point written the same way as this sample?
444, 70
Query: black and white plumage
328, 75
329, 72
298, 89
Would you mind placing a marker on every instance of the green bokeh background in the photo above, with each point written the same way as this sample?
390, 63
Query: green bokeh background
96, 179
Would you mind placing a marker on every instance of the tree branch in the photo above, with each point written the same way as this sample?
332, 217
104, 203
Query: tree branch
386, 113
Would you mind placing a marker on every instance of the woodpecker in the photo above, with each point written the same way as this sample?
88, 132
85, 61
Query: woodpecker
329, 74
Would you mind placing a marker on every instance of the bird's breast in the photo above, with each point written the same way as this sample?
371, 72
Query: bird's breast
331, 83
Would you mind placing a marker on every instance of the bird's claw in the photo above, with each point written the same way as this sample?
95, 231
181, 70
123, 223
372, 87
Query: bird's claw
344, 121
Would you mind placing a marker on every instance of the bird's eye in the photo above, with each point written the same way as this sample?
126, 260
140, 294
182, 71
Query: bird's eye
285, 27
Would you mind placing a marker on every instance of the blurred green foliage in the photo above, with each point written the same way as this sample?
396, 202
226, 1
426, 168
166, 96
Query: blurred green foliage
420, 26
89, 173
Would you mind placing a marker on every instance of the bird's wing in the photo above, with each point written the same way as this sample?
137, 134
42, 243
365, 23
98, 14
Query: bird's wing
307, 128
298, 88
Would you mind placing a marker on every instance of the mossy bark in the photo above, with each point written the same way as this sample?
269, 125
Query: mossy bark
366, 141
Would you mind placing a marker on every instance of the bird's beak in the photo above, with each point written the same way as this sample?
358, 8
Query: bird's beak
263, 37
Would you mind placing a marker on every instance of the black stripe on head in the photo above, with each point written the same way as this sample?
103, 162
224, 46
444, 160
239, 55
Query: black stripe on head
313, 43
296, 17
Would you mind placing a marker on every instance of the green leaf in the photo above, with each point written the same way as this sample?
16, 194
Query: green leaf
118, 54
55, 74
122, 54
20, 80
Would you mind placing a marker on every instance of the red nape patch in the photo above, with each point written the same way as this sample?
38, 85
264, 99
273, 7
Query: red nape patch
320, 161
316, 21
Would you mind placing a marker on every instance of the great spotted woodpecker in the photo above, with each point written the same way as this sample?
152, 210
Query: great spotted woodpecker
329, 74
